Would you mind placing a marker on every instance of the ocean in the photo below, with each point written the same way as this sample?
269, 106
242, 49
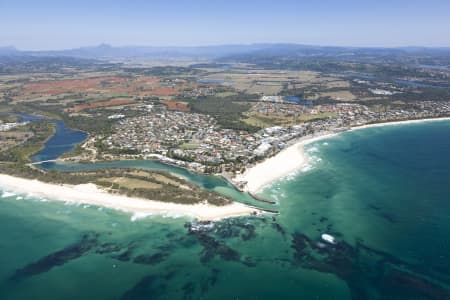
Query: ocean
382, 192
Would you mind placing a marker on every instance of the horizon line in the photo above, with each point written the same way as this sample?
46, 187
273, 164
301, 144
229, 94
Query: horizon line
224, 45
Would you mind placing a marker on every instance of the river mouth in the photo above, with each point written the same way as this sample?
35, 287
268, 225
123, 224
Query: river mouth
66, 139
207, 182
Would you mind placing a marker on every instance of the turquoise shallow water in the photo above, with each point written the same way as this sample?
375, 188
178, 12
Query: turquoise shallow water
382, 192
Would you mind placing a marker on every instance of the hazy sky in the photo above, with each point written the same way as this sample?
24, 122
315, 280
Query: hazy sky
46, 24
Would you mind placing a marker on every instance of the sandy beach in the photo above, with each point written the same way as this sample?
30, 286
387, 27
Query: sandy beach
293, 158
92, 195
285, 162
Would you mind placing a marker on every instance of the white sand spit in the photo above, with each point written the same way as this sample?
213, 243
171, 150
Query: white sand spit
91, 194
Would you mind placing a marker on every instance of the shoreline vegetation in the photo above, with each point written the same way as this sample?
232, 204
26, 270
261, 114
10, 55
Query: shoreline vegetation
293, 158
40, 131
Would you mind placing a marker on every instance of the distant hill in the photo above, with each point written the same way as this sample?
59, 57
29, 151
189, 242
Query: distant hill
230, 52
7, 51
108, 51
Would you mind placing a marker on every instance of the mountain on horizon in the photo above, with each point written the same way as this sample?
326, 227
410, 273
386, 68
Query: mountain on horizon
153, 52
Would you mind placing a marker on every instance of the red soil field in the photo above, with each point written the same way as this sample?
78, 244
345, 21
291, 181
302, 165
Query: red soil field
178, 106
63, 86
146, 80
113, 102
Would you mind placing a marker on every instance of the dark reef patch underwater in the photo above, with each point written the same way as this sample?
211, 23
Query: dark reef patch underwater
383, 193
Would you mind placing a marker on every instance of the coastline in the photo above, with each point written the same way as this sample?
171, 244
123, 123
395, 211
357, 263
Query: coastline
288, 160
92, 195
405, 122
293, 157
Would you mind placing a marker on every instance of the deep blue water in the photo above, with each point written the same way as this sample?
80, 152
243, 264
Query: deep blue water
216, 81
359, 75
298, 100
412, 83
409, 83
434, 67
64, 139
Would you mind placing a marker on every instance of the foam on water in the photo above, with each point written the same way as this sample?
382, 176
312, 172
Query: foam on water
139, 216
172, 215
6, 194
307, 168
274, 196
22, 196
312, 149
